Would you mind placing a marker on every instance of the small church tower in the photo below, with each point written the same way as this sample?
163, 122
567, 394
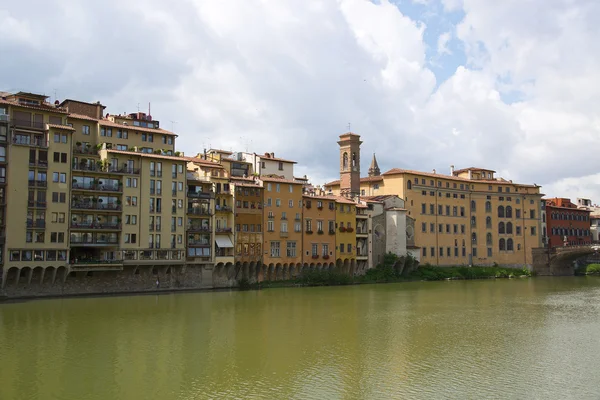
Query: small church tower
349, 164
374, 168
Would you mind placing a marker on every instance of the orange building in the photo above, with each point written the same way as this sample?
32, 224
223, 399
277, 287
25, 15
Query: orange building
248, 195
319, 230
282, 217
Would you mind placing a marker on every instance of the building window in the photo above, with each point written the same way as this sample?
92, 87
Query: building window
275, 249
488, 206
500, 211
85, 130
423, 208
291, 249
474, 238
508, 212
488, 222
473, 205
518, 213
532, 214
502, 245
501, 228
509, 245
423, 227
533, 232
488, 239
509, 228
473, 221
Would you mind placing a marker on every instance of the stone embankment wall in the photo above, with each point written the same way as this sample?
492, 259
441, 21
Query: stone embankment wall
129, 280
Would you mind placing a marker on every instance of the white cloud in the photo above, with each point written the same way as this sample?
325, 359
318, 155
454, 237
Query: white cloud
289, 76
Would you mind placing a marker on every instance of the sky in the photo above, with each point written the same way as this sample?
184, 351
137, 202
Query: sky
507, 85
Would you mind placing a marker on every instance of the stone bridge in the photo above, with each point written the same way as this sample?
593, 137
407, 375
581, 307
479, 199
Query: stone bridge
559, 261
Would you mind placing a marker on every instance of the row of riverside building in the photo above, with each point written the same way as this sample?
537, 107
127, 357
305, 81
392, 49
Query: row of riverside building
89, 196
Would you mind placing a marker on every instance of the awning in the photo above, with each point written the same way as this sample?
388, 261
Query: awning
224, 242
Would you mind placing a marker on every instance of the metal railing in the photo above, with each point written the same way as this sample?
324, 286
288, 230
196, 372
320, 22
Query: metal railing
33, 182
95, 206
28, 123
36, 224
198, 211
98, 187
195, 228
85, 240
95, 225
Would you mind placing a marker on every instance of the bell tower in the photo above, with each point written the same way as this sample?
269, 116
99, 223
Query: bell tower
349, 164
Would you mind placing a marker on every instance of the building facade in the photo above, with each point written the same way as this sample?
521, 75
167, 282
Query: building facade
566, 224
319, 239
464, 218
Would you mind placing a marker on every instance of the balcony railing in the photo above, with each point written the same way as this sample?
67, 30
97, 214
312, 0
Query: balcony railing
38, 163
27, 141
198, 211
151, 227
36, 183
86, 240
195, 228
174, 192
200, 195
76, 261
198, 243
85, 150
36, 204
36, 224
97, 187
96, 206
224, 230
95, 225
224, 209
28, 123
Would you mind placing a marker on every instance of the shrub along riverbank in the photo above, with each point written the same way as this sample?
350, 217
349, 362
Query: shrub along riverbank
591, 269
393, 269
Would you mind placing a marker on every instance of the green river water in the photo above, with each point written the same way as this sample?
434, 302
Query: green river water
491, 339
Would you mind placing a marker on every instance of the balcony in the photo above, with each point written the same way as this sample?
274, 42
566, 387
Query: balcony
25, 140
36, 183
283, 234
195, 228
361, 231
174, 192
38, 163
4, 118
96, 206
97, 187
224, 230
200, 195
224, 209
105, 170
28, 123
36, 204
198, 243
37, 224
85, 241
92, 151
110, 226
195, 176
198, 211
96, 264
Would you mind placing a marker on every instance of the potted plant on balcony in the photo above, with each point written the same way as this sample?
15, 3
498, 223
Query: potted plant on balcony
342, 229
99, 165
319, 208
315, 256
78, 144
320, 232
326, 257
94, 200
99, 146
350, 230
132, 149
309, 232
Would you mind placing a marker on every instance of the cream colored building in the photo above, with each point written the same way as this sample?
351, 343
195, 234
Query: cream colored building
469, 216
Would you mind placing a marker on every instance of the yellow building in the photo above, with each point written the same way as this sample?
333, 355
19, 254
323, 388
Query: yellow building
282, 219
466, 217
345, 232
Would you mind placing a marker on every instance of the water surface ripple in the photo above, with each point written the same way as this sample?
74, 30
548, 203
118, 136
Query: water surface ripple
493, 339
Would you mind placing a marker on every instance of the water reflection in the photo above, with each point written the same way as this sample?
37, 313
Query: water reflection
479, 339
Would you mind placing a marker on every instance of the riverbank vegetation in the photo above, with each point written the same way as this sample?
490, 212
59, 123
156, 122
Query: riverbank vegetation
591, 269
394, 269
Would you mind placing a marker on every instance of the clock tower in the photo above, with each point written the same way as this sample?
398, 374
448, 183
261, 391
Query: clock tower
349, 164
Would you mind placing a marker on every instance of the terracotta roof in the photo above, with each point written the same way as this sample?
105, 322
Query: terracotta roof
342, 199
81, 116
282, 180
202, 162
458, 171
82, 102
105, 122
362, 205
146, 155
316, 197
398, 171
264, 157
220, 151
43, 107
251, 185
365, 179
241, 178
63, 127
348, 134
379, 197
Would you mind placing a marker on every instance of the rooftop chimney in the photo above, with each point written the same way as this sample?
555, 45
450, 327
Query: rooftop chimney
434, 171
452, 170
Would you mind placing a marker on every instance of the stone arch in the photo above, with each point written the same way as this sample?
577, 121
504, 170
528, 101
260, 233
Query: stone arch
352, 267
37, 275
12, 276
339, 263
48, 276
229, 271
278, 272
61, 274
345, 161
346, 266
271, 272
292, 271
